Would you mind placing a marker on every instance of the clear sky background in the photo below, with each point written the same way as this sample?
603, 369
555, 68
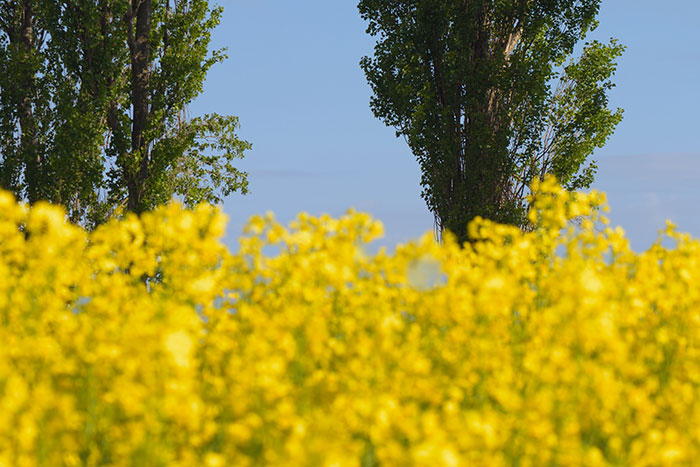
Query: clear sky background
293, 78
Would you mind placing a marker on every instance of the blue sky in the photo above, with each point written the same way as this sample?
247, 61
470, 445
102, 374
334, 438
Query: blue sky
294, 80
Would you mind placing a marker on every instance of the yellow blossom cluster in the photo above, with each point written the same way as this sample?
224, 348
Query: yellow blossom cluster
148, 343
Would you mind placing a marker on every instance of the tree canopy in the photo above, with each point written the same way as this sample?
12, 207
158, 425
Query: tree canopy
488, 97
94, 101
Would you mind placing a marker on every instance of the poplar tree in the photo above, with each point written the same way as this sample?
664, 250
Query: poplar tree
94, 99
489, 97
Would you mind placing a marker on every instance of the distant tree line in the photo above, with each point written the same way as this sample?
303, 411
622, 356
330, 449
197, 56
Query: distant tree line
94, 96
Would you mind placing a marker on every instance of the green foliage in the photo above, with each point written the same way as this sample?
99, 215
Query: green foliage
105, 126
472, 88
577, 122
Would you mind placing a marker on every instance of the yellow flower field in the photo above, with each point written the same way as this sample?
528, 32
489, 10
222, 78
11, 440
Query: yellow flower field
147, 343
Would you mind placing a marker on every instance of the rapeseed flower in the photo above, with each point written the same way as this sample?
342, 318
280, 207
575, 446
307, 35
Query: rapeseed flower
147, 342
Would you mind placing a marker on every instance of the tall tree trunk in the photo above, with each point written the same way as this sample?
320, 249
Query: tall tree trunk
29, 141
140, 71
476, 186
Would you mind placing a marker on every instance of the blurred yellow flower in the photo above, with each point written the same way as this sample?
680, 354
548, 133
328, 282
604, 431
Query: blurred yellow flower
148, 342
